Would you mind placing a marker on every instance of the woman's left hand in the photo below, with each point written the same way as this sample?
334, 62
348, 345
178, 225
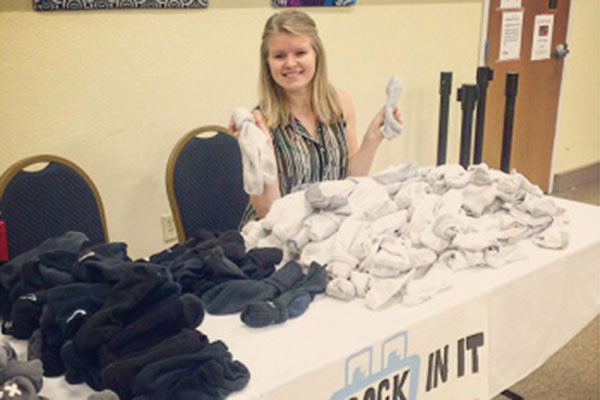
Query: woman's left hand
374, 132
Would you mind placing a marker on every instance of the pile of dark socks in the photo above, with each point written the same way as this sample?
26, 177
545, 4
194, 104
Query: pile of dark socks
99, 317
230, 281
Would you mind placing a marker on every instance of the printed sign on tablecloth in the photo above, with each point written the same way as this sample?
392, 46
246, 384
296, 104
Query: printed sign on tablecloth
440, 358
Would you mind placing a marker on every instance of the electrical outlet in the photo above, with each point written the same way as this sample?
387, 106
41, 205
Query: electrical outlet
168, 228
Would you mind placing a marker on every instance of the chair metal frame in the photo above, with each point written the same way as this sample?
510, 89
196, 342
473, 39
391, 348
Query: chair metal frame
171, 169
20, 165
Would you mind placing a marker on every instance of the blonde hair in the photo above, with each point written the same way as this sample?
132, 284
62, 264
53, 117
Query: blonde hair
325, 101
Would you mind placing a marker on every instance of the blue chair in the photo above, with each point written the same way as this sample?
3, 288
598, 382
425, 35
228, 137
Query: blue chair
205, 182
45, 203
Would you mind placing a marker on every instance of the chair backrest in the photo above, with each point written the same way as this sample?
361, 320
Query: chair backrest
45, 203
205, 183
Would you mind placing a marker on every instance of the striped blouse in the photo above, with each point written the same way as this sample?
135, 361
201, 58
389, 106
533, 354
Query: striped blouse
302, 159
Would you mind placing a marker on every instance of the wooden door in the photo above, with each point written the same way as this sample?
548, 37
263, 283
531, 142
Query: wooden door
538, 93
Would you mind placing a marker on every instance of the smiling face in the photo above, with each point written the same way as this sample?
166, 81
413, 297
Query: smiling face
292, 61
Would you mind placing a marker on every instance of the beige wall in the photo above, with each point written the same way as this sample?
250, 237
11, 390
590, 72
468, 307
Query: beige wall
578, 135
114, 90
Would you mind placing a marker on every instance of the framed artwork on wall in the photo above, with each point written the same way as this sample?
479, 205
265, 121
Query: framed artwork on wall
312, 3
56, 5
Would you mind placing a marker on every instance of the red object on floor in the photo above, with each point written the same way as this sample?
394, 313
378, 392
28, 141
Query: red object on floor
3, 243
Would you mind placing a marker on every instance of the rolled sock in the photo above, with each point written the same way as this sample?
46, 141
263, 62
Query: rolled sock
475, 258
339, 269
396, 173
474, 241
509, 185
411, 193
322, 225
290, 304
422, 256
383, 290
438, 279
7, 353
537, 224
454, 259
252, 233
455, 176
232, 296
538, 206
329, 195
499, 256
103, 395
432, 241
480, 175
391, 127
450, 202
341, 289
367, 197
161, 321
119, 375
102, 263
18, 388
552, 238
390, 265
447, 226
286, 215
479, 200
319, 252
269, 241
31, 370
361, 282
258, 160
210, 373
395, 222
423, 214
301, 239
528, 186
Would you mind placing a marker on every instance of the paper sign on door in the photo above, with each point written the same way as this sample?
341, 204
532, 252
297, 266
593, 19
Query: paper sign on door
542, 37
510, 41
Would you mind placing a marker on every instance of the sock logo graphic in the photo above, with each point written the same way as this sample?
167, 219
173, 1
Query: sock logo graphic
397, 378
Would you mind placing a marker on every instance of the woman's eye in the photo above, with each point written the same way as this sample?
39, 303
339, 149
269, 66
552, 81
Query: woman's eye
301, 53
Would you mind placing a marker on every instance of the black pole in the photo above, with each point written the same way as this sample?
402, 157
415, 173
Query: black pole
445, 90
467, 95
512, 82
484, 75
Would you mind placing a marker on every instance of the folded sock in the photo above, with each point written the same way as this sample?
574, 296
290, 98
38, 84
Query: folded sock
7, 353
392, 128
18, 388
289, 304
231, 297
383, 290
31, 370
258, 160
103, 395
341, 289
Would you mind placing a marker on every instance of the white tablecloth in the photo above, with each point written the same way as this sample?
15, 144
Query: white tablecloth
532, 307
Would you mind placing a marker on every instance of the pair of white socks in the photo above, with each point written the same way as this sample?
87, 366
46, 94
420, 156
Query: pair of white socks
258, 160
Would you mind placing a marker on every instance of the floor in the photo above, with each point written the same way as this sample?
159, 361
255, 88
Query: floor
572, 373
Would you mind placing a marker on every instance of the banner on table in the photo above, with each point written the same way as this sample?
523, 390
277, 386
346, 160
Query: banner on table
440, 358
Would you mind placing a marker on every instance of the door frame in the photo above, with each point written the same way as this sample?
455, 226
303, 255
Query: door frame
485, 12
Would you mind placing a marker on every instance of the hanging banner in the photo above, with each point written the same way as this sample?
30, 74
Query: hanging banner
57, 5
312, 3
442, 358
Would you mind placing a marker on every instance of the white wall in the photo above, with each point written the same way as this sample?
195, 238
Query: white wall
114, 90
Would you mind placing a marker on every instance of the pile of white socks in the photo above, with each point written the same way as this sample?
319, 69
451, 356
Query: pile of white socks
403, 233
258, 160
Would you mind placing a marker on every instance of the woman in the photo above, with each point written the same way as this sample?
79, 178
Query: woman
311, 123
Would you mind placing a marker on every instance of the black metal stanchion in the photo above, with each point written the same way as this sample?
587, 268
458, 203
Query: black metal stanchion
512, 82
467, 95
484, 75
445, 90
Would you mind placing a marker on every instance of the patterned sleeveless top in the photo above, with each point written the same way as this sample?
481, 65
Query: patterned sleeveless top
302, 159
